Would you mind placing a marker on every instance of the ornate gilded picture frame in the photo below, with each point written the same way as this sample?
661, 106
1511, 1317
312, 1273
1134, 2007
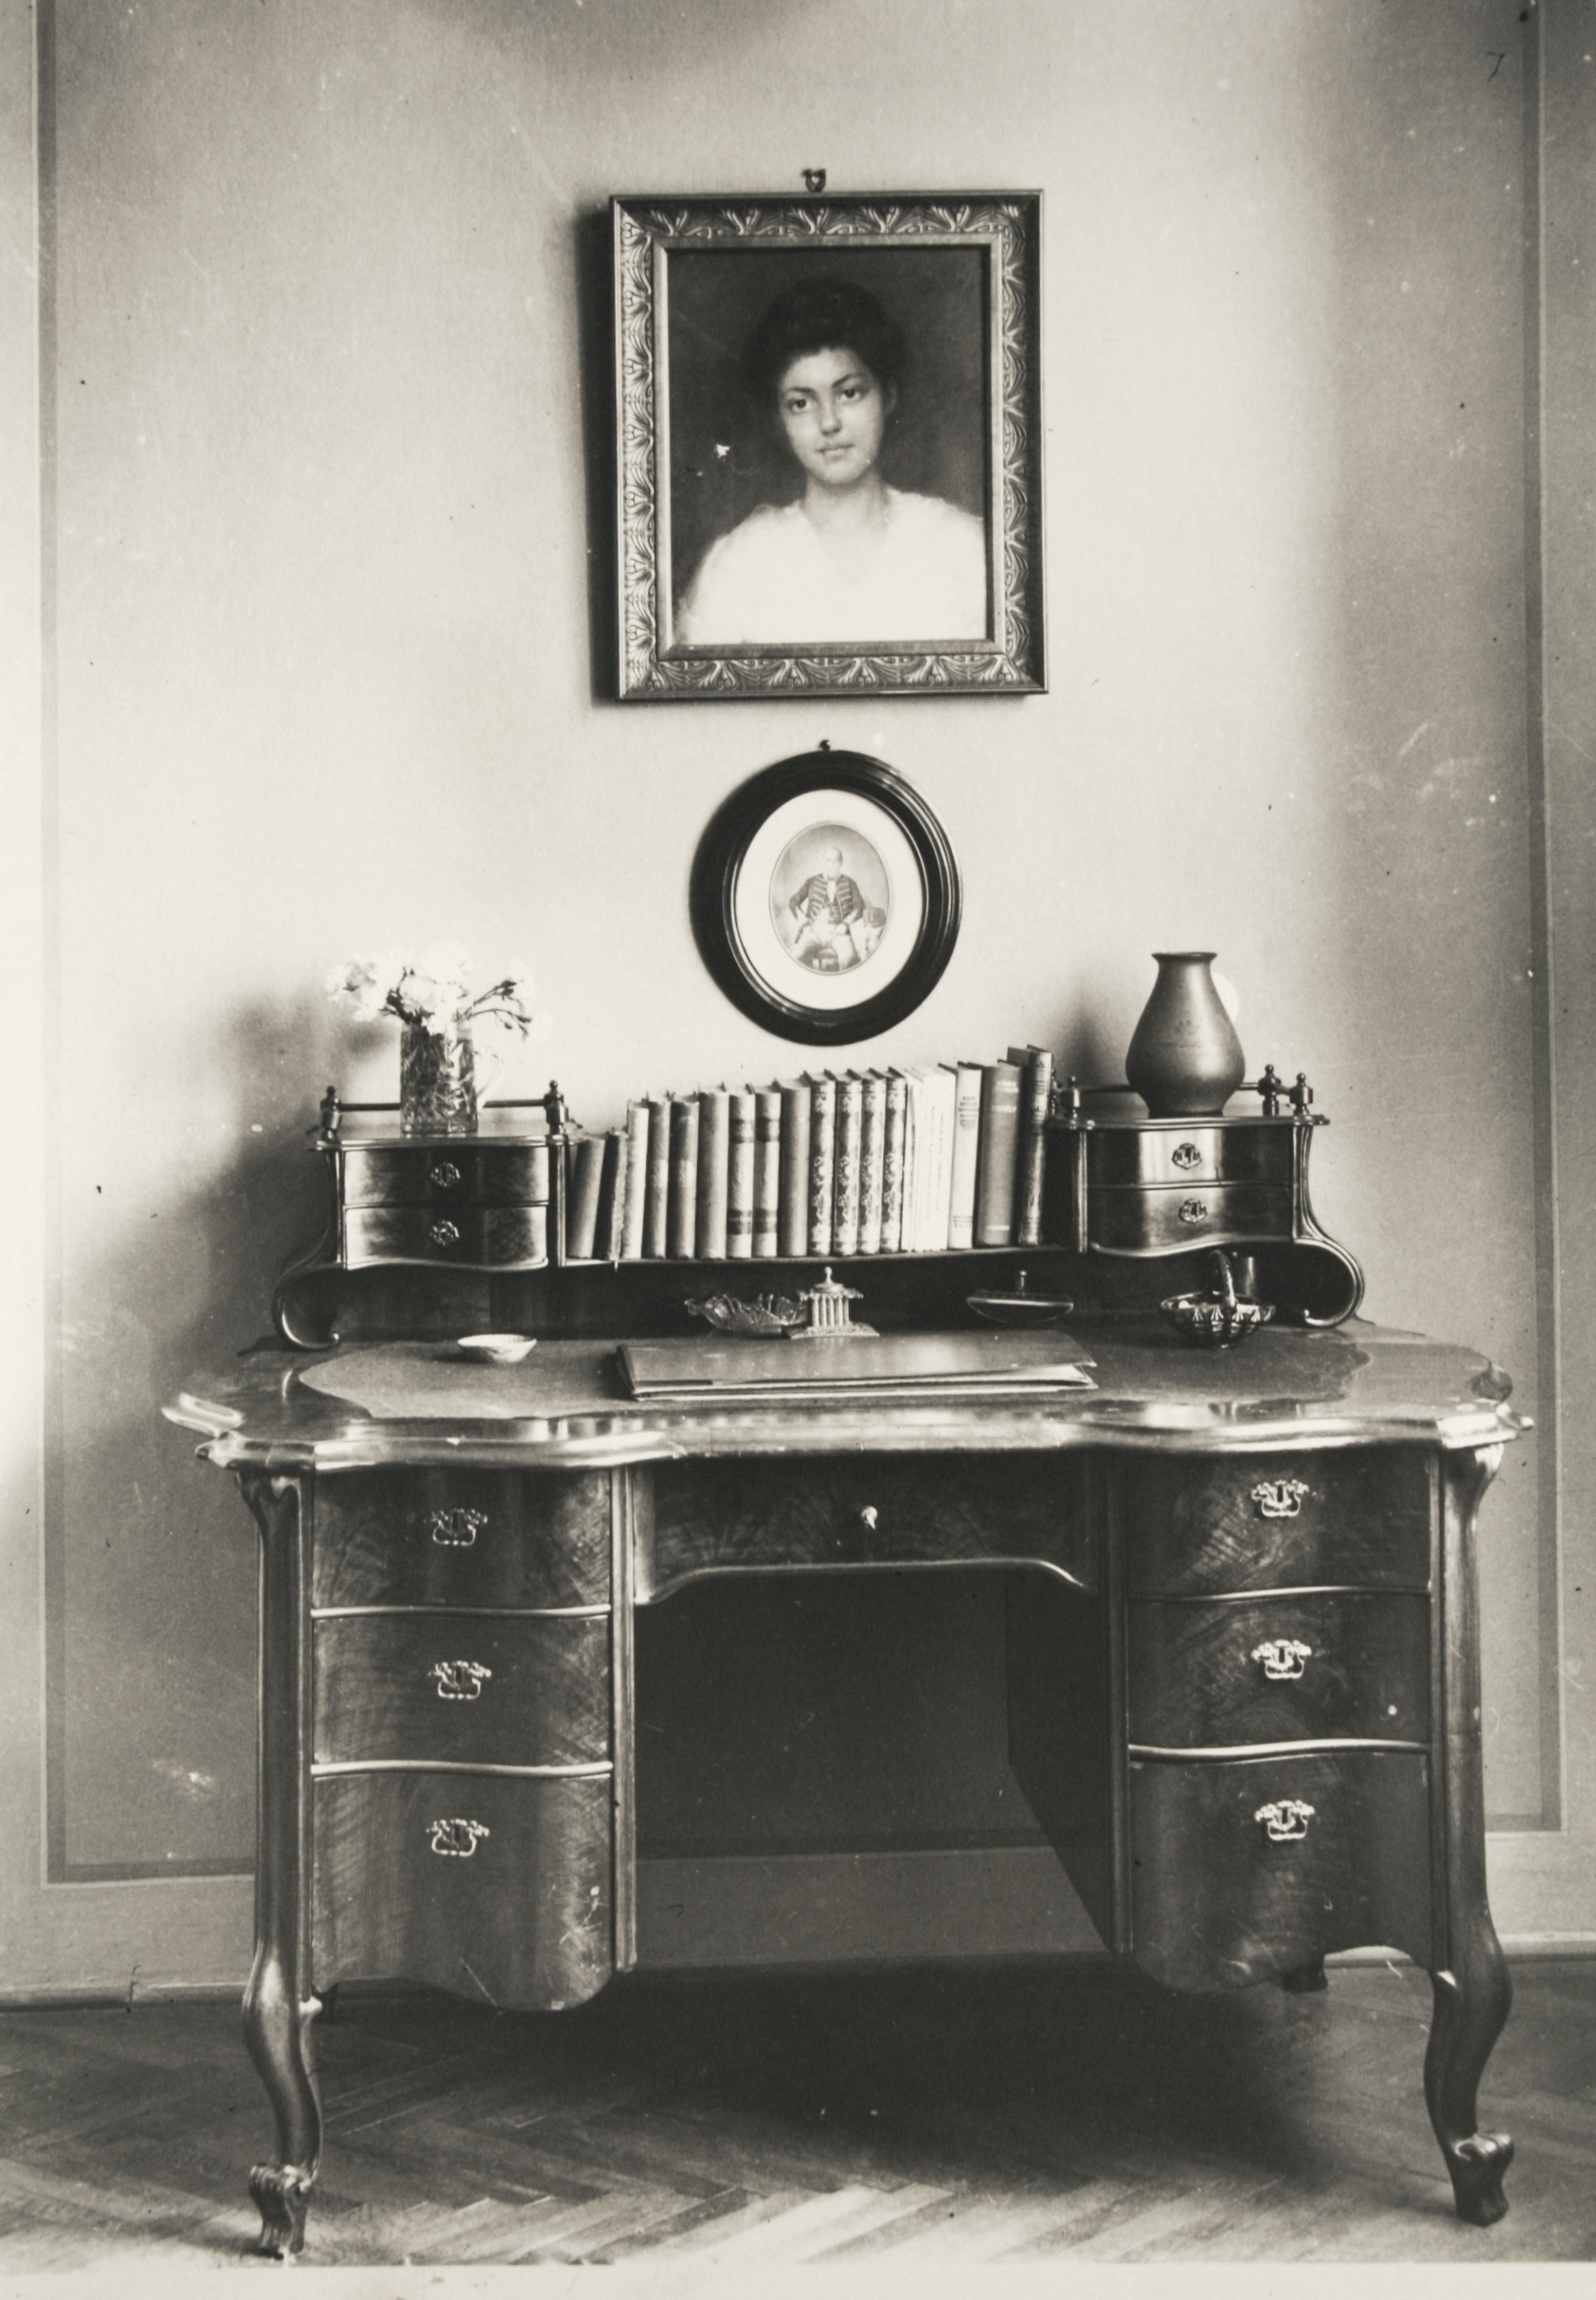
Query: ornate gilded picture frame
829, 445
826, 898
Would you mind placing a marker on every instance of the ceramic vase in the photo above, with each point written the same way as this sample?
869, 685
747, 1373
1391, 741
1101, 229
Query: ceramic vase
437, 1079
1185, 1058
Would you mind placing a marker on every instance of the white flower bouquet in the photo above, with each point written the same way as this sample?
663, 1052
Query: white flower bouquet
431, 995
432, 990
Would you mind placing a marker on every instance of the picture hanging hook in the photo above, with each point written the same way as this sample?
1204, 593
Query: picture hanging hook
814, 179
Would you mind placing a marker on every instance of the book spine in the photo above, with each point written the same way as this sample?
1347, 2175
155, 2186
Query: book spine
656, 1187
739, 1176
637, 1178
892, 1165
793, 1222
822, 1152
999, 1143
682, 1222
871, 1147
914, 1161
845, 1201
584, 1169
612, 1197
966, 1137
714, 1145
1036, 1093
942, 1095
767, 1172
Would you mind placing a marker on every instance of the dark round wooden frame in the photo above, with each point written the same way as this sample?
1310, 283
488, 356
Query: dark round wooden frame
720, 859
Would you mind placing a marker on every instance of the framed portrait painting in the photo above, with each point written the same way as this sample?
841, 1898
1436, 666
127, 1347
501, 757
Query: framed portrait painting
829, 445
826, 898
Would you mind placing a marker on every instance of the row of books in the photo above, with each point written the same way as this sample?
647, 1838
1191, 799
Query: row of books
875, 1161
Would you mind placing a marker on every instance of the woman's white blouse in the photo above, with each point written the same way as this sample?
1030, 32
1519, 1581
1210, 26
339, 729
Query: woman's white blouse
772, 580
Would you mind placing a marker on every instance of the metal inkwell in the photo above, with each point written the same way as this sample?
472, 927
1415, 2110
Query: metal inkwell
827, 1304
1220, 1316
1020, 1306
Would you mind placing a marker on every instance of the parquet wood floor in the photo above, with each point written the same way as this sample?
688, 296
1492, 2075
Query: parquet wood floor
920, 2118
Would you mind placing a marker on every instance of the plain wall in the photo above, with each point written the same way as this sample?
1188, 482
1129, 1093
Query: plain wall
324, 391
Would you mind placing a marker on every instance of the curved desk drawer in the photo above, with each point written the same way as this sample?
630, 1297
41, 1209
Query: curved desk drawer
492, 1237
472, 1689
1189, 1153
1358, 1517
1233, 1880
1172, 1219
718, 1516
462, 1537
1221, 1673
499, 1889
446, 1174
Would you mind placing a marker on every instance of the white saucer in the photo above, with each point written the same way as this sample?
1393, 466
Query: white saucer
497, 1349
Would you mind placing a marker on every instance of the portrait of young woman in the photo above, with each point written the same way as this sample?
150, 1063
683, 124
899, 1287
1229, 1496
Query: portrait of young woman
829, 433
840, 555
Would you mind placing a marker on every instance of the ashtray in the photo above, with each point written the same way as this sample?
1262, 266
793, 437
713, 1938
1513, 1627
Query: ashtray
729, 1313
1219, 1316
1021, 1307
496, 1349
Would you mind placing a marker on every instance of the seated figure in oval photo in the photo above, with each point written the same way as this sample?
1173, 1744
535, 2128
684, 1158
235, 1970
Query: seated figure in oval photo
852, 559
830, 927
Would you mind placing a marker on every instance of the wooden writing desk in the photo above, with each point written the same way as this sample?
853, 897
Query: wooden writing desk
1242, 1662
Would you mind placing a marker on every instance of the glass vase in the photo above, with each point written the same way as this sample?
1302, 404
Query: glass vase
437, 1079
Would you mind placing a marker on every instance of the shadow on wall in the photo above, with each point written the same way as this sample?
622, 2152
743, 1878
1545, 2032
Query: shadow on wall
150, 1556
593, 255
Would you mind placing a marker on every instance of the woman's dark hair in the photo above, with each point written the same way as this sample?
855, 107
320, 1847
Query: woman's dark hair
822, 315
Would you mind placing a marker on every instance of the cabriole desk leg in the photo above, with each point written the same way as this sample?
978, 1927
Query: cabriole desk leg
278, 2005
1473, 1989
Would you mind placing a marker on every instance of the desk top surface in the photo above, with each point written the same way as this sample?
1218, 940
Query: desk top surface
567, 1404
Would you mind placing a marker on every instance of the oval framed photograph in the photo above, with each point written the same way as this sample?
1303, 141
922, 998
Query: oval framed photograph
826, 898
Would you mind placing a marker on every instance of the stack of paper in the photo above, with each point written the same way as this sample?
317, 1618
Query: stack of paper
899, 1367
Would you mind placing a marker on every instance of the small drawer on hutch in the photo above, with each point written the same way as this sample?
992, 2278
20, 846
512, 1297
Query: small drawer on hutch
451, 1537
497, 1888
1289, 1521
886, 1509
1164, 1220
1245, 1869
469, 1173
1325, 1666
469, 1688
1143, 1155
492, 1237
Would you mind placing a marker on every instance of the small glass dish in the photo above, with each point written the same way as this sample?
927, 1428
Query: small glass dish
496, 1349
729, 1313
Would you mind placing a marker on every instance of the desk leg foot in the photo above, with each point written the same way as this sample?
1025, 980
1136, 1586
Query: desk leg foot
277, 2031
281, 2194
1305, 1980
1468, 2021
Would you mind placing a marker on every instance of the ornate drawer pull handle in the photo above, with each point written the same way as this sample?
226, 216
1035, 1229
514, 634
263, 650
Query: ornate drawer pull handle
1283, 1657
459, 1680
870, 1517
1194, 1212
1286, 1822
456, 1529
445, 1175
444, 1233
1280, 1497
458, 1839
1187, 1157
